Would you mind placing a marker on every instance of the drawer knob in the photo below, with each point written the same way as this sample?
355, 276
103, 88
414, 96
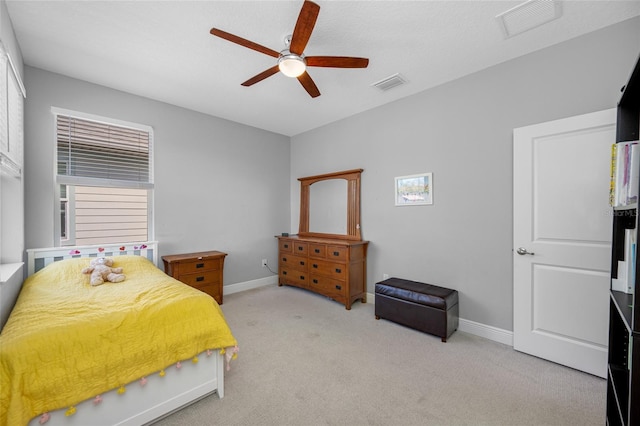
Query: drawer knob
317, 250
315, 281
338, 287
300, 248
336, 253
284, 259
302, 277
302, 262
286, 246
198, 279
315, 265
199, 265
338, 270
284, 272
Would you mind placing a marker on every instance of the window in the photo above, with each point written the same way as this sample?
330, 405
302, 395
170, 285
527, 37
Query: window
12, 95
105, 178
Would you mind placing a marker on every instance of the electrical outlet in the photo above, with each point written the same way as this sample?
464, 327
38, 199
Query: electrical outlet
385, 276
264, 263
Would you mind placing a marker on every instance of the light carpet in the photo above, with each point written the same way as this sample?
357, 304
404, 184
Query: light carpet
306, 360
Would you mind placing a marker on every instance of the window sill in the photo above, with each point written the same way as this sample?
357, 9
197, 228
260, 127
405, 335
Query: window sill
8, 270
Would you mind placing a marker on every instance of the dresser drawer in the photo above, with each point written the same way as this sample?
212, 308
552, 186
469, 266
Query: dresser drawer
294, 277
329, 269
200, 278
328, 286
294, 262
197, 265
318, 250
285, 246
300, 249
339, 253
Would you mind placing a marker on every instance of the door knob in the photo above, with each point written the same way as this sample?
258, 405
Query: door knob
522, 251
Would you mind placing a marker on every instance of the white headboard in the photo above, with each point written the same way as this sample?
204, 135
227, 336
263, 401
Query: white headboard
39, 258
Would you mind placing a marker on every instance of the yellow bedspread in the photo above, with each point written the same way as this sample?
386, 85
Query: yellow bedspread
67, 341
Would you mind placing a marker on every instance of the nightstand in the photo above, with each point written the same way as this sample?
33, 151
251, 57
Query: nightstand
202, 270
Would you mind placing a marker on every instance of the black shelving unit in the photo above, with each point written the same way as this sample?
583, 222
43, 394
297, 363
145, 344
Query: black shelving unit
623, 386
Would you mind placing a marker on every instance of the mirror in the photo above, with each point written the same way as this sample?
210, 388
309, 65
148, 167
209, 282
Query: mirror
330, 205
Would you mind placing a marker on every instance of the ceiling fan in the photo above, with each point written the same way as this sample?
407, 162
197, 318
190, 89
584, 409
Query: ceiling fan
291, 60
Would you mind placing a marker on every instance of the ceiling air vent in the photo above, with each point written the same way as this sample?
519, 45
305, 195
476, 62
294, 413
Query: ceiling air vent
390, 82
528, 15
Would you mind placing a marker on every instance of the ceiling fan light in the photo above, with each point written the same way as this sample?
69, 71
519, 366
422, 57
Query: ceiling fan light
292, 65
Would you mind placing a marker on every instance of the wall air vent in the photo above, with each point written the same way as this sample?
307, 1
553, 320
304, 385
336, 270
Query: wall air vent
528, 15
390, 82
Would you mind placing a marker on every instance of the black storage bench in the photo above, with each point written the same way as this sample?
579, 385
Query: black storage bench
421, 306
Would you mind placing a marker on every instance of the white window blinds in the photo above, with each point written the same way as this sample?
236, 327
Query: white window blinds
11, 118
96, 153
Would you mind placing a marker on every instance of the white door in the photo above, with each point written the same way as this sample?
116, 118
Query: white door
562, 231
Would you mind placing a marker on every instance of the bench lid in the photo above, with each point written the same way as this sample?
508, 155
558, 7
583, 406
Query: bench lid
417, 292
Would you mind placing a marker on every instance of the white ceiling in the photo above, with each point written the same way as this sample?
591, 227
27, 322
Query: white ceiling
163, 50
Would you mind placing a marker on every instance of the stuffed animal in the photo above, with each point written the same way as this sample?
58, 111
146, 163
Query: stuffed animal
101, 270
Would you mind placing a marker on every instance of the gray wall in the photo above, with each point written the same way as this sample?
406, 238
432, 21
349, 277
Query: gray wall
462, 132
8, 38
219, 185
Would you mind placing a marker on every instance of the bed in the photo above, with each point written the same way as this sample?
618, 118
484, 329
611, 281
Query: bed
121, 353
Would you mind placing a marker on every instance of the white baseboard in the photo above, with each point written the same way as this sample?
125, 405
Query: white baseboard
477, 329
488, 332
250, 285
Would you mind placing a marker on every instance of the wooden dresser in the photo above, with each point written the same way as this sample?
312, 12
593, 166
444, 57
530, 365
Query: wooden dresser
332, 267
202, 270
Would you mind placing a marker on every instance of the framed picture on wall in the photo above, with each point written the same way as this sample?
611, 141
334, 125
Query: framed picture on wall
414, 190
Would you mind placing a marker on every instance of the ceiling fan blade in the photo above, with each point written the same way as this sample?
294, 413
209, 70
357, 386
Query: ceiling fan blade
309, 85
304, 27
337, 62
244, 42
264, 74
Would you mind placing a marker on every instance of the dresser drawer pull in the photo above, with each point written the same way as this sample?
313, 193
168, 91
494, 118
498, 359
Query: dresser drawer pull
339, 287
198, 279
336, 253
315, 265
302, 277
338, 270
286, 245
284, 259
317, 250
302, 262
284, 272
199, 265
300, 248
315, 281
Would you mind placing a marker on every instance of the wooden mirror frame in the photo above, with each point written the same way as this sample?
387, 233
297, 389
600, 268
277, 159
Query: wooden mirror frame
353, 204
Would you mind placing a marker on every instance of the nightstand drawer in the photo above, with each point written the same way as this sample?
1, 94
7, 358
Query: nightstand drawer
200, 279
201, 270
197, 265
211, 290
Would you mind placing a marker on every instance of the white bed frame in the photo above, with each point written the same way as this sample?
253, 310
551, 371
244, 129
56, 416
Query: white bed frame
160, 396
